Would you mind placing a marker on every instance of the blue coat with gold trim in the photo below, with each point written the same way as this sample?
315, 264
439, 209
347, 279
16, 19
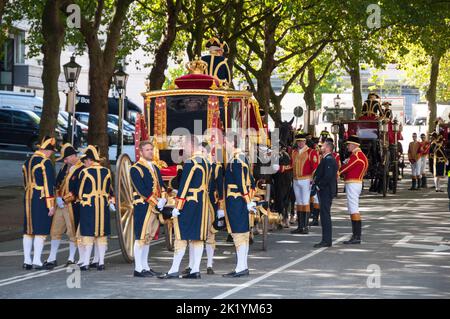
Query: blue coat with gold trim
193, 199
218, 67
67, 183
148, 188
216, 186
39, 182
94, 193
238, 183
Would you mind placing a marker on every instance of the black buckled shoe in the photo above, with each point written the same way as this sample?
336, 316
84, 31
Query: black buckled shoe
187, 271
174, 275
139, 274
296, 231
93, 265
37, 267
69, 262
315, 222
304, 231
151, 273
27, 266
195, 275
101, 267
322, 244
353, 241
210, 271
84, 268
235, 274
50, 264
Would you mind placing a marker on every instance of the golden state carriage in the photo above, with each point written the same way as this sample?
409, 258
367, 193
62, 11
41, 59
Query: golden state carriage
193, 103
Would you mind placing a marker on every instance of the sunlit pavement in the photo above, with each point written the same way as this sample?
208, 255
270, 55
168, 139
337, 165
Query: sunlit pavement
405, 254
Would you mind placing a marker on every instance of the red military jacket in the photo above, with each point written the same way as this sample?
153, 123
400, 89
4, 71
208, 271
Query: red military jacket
355, 168
424, 148
304, 162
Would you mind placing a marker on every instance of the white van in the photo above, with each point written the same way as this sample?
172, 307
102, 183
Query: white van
22, 101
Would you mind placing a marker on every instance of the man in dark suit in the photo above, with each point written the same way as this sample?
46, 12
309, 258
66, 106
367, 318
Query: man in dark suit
325, 184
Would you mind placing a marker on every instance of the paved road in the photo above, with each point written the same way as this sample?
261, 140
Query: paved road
406, 241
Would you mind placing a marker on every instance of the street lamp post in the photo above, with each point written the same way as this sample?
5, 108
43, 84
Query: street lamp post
71, 72
120, 78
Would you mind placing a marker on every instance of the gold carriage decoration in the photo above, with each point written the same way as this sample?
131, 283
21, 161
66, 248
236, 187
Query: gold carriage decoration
195, 96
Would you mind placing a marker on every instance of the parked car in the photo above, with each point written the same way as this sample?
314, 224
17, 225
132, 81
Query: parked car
112, 118
82, 129
21, 127
113, 130
420, 121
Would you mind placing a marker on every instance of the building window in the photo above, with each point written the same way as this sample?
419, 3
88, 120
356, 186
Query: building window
19, 42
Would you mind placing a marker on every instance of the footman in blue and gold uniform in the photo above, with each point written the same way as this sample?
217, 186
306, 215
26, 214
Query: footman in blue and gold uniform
217, 64
238, 203
96, 200
190, 216
67, 214
39, 202
148, 194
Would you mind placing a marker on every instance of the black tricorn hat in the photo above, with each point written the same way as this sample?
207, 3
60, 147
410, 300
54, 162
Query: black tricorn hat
216, 226
66, 150
300, 137
92, 152
353, 139
166, 212
374, 94
48, 143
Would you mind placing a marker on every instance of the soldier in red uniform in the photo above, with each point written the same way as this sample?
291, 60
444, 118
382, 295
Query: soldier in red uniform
353, 171
304, 162
424, 149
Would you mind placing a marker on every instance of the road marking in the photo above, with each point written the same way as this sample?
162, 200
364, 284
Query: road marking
404, 242
275, 271
41, 273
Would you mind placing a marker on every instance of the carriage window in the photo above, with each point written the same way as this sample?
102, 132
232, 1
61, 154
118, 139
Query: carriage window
191, 103
235, 115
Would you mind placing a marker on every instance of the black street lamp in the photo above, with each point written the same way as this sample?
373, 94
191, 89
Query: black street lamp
71, 72
120, 78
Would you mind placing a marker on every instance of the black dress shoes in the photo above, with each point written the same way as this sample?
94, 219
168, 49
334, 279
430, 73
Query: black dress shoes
84, 268
151, 273
210, 271
322, 244
93, 265
187, 271
101, 267
235, 274
139, 274
69, 262
352, 241
195, 275
50, 264
37, 267
174, 275
27, 266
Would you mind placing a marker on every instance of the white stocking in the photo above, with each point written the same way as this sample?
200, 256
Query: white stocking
27, 246
137, 257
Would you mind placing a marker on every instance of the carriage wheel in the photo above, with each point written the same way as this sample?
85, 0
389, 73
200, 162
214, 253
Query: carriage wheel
265, 229
168, 232
124, 207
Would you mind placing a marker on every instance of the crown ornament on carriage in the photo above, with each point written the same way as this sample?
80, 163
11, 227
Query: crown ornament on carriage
197, 66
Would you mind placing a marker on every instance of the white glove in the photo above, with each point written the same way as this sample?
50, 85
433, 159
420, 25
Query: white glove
276, 167
60, 202
161, 203
220, 213
175, 212
112, 207
251, 207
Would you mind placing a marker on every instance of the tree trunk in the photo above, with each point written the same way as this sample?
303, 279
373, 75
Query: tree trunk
99, 81
309, 98
431, 92
157, 76
355, 78
53, 30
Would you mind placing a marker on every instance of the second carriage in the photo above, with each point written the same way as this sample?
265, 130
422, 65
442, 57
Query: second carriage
380, 143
